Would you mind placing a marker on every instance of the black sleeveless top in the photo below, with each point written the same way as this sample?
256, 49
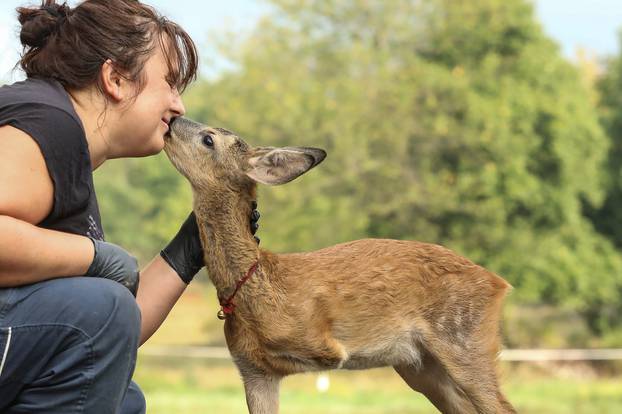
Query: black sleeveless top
42, 109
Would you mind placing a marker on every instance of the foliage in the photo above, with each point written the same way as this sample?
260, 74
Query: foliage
608, 218
450, 122
143, 203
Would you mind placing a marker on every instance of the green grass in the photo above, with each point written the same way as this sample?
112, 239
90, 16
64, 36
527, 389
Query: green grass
182, 386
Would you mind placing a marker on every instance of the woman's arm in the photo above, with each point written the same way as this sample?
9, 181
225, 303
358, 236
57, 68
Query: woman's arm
160, 287
28, 253
31, 254
166, 277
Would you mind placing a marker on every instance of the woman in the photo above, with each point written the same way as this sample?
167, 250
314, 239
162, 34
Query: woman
103, 81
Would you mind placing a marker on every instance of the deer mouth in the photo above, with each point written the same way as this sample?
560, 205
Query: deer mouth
169, 123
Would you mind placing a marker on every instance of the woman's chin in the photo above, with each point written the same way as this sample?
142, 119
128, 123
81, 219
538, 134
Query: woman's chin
152, 148
156, 145
142, 148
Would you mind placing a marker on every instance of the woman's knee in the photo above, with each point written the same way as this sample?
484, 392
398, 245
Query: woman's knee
112, 310
134, 401
98, 307
95, 327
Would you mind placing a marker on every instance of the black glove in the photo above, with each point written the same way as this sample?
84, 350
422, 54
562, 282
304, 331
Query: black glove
112, 262
254, 220
185, 254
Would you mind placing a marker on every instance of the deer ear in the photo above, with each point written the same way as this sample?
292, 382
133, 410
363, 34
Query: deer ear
274, 166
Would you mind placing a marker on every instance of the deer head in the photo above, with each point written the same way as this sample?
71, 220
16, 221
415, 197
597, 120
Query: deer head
214, 158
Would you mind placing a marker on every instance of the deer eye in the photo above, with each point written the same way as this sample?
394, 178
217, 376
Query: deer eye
207, 140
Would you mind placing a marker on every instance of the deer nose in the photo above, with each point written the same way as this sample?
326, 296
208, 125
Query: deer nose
183, 128
175, 125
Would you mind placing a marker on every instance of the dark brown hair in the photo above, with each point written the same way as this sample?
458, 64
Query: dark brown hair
71, 44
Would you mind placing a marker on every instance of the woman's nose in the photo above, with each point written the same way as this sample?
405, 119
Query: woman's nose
177, 105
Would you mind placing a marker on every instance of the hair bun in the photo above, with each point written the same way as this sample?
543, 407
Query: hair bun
40, 22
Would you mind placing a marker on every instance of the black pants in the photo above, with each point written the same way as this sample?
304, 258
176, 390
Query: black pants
69, 346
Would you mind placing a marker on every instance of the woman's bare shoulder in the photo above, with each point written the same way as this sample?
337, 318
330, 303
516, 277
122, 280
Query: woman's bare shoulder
26, 189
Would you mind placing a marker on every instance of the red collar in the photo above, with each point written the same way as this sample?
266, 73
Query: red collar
227, 306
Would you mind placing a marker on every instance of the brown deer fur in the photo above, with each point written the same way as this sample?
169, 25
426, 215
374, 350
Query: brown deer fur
418, 307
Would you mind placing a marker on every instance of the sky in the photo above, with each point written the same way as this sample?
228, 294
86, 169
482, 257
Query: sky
589, 24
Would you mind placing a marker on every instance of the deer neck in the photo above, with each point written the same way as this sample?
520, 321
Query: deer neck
229, 247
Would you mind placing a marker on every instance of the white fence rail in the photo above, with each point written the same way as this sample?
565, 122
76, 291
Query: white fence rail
561, 354
519, 355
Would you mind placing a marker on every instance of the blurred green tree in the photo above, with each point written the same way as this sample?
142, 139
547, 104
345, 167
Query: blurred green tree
608, 218
143, 202
445, 121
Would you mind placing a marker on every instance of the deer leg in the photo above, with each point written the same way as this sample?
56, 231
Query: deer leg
481, 386
261, 388
506, 406
433, 381
474, 374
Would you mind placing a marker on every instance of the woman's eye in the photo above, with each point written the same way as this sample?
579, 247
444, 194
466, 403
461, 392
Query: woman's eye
208, 141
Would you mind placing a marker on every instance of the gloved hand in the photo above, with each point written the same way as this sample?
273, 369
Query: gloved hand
112, 262
254, 220
185, 254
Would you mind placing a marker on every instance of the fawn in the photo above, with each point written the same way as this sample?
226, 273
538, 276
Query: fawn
430, 314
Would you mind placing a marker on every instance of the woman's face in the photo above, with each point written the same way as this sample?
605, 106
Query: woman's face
147, 116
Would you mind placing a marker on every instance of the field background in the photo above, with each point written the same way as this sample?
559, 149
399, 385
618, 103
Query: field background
191, 386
